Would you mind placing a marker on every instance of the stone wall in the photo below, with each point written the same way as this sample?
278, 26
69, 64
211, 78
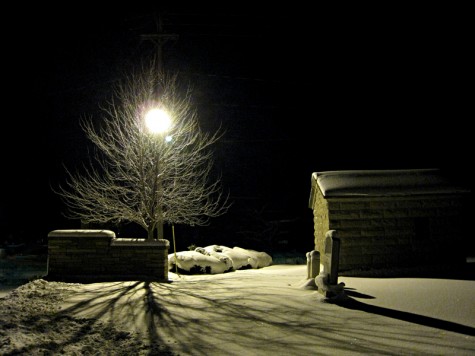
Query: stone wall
392, 231
97, 255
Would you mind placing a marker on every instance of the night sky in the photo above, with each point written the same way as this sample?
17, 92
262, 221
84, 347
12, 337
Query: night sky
297, 91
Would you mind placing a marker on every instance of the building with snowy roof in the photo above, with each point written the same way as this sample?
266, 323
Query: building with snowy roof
390, 218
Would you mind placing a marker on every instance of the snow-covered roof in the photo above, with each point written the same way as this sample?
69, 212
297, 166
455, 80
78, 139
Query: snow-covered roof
384, 183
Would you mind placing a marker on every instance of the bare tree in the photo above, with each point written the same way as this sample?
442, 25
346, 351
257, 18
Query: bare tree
146, 178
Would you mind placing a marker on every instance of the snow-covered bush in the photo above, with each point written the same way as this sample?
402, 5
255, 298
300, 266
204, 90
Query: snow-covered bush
240, 260
222, 257
195, 262
262, 258
216, 259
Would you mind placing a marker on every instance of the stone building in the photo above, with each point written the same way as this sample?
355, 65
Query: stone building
390, 218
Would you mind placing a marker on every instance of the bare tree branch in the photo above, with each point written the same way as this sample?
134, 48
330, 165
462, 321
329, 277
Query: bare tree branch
140, 177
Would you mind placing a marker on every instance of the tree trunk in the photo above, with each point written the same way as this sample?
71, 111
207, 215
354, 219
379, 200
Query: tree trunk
159, 228
150, 231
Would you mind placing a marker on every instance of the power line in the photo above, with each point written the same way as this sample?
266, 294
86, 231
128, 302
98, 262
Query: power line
159, 39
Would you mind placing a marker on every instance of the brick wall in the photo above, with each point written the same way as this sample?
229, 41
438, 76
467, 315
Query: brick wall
321, 221
392, 231
97, 255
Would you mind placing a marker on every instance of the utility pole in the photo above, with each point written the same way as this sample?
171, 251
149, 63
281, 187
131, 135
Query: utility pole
159, 39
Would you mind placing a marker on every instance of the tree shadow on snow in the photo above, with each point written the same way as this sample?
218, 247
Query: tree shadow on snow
113, 304
212, 314
202, 317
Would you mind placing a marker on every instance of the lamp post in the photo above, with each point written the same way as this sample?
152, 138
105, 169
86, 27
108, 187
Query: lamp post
158, 121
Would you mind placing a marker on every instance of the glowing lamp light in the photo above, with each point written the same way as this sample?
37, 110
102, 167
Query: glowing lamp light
158, 121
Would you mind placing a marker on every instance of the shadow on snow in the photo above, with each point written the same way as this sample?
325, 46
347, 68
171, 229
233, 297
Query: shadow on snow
353, 304
213, 315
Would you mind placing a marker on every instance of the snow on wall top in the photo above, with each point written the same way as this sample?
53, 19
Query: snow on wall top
383, 183
81, 233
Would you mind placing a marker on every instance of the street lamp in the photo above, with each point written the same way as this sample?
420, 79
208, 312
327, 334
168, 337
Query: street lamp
158, 120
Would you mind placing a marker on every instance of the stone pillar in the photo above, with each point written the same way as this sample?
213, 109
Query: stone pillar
313, 264
332, 256
327, 280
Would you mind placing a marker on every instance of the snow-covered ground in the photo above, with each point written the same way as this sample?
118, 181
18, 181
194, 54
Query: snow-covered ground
245, 312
